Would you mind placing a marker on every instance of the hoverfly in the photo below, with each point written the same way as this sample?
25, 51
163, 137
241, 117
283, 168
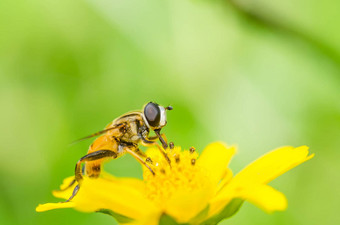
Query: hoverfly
123, 135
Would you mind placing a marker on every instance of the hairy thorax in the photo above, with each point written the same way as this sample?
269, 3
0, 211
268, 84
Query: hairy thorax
134, 129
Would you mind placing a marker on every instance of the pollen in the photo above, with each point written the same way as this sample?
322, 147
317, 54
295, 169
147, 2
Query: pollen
183, 174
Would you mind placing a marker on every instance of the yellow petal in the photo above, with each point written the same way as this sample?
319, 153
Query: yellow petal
66, 182
273, 164
115, 195
124, 196
225, 179
133, 182
66, 193
215, 159
265, 197
216, 205
63, 192
49, 206
185, 205
261, 195
261, 171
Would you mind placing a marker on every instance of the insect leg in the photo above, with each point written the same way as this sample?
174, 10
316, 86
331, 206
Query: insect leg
75, 191
147, 142
163, 153
68, 186
164, 142
152, 138
164, 138
137, 155
90, 157
72, 182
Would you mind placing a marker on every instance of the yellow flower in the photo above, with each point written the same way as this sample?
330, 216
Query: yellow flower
192, 191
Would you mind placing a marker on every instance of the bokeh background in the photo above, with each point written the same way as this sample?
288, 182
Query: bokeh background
259, 74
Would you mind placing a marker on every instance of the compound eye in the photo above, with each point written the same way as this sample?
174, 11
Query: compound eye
152, 114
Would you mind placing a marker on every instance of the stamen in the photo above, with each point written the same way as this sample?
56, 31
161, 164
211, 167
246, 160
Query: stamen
148, 159
171, 145
184, 173
177, 158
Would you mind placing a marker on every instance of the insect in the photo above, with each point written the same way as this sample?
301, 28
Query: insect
124, 135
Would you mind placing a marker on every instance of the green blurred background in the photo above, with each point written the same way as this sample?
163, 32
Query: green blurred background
259, 74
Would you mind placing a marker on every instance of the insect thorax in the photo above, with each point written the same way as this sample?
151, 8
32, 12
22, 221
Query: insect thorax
135, 127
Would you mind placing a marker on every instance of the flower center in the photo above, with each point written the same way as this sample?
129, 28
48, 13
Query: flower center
183, 174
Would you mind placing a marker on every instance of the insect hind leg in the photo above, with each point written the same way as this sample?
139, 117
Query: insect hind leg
101, 154
72, 182
75, 191
91, 157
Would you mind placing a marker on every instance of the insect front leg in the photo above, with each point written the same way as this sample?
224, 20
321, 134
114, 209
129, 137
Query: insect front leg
146, 142
153, 138
161, 138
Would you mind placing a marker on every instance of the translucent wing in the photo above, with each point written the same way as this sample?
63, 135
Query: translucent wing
98, 133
